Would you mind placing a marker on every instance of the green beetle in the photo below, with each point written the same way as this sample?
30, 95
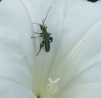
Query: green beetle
47, 39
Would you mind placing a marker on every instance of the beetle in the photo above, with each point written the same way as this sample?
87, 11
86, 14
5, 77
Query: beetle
47, 39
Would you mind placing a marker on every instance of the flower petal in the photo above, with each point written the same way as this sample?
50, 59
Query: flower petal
16, 50
75, 27
75, 53
10, 89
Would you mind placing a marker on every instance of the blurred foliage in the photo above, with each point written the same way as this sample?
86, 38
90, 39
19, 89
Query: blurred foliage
93, 0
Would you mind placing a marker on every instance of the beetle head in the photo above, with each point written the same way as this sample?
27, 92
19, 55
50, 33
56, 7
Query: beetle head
43, 27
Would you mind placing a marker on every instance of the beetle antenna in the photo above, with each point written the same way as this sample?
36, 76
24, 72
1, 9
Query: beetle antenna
46, 15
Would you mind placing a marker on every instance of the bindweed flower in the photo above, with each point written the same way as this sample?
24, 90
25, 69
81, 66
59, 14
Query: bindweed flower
72, 67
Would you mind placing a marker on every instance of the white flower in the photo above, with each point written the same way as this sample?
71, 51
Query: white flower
72, 68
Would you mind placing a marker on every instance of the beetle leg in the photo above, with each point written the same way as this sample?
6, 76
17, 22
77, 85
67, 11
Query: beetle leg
37, 36
50, 39
41, 45
39, 33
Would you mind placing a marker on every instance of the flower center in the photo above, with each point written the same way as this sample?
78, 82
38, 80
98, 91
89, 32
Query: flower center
52, 87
